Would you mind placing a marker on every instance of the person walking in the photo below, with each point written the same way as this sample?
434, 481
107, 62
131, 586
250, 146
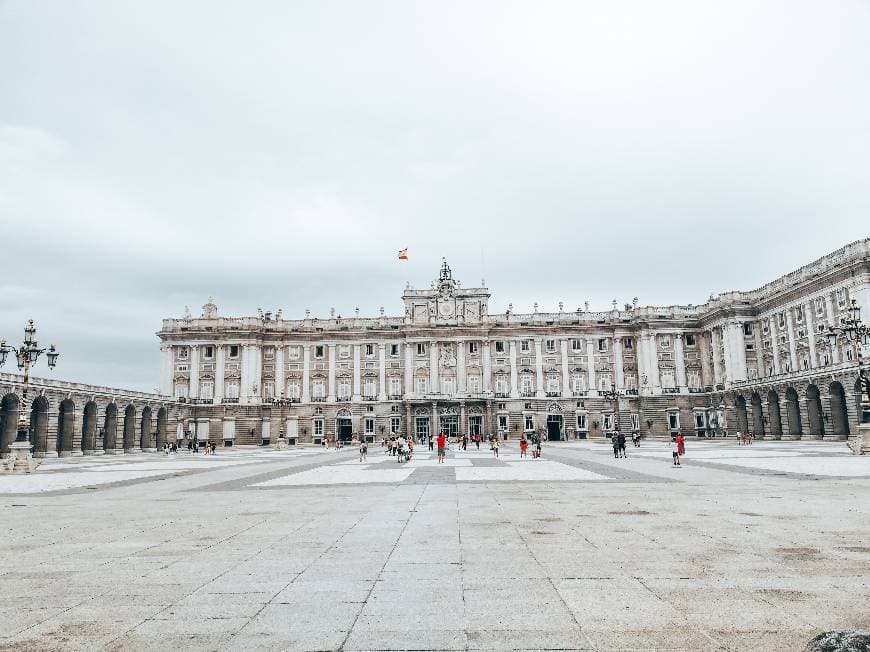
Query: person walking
620, 438
675, 452
495, 445
431, 443
537, 448
442, 447
363, 451
615, 441
524, 446
681, 445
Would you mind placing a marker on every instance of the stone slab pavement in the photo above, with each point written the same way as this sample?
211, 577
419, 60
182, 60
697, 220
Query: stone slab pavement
742, 548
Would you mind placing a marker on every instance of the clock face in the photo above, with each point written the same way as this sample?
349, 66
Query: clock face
445, 308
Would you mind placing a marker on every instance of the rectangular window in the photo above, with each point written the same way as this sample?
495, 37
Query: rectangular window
421, 348
502, 423
765, 326
628, 343
581, 422
319, 389
551, 346
232, 389
474, 384
293, 353
369, 389
268, 353
799, 314
422, 384
673, 420
448, 386
369, 425
318, 351
344, 351
780, 319
370, 350
234, 350
499, 347
602, 345
269, 389
635, 421
665, 341
528, 423
395, 424
747, 329
394, 350
206, 390
209, 352
690, 339
699, 421
750, 347
820, 306
293, 390
318, 427
841, 298
525, 346
608, 422
182, 354
395, 386
472, 347
576, 344
344, 389
501, 386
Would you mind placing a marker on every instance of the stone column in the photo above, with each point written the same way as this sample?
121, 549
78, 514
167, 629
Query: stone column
409, 370
727, 349
829, 309
306, 372
590, 361
641, 357
563, 351
774, 342
433, 367
194, 371
715, 340
382, 371
704, 351
809, 316
618, 372
654, 378
460, 366
539, 368
463, 427
330, 389
759, 353
409, 424
357, 390
515, 393
434, 429
487, 367
166, 370
792, 345
220, 372
739, 351
680, 361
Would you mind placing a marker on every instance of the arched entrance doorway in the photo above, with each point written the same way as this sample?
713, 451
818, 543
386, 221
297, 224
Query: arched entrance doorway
742, 418
814, 412
130, 429
145, 429
839, 410
65, 427
774, 415
554, 422
793, 413
344, 426
39, 425
757, 416
110, 428
89, 427
161, 427
8, 421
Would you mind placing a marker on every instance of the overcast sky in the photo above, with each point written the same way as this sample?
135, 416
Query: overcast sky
278, 154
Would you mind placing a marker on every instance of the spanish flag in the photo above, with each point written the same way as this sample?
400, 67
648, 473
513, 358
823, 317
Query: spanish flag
403, 254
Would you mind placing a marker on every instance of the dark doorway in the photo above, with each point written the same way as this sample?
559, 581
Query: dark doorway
554, 427
475, 422
345, 429
793, 413
450, 425
814, 412
742, 418
773, 411
839, 410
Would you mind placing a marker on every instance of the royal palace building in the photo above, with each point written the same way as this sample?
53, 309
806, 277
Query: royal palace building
758, 360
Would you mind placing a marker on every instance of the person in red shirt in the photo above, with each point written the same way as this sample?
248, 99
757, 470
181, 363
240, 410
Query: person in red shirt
442, 447
681, 445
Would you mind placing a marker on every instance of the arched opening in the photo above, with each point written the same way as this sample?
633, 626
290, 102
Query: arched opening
145, 429
66, 422
773, 414
89, 427
839, 410
130, 428
793, 413
39, 424
814, 412
757, 415
8, 421
110, 428
742, 417
161, 427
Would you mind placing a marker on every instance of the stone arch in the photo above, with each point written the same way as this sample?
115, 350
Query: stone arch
793, 413
39, 425
8, 421
130, 429
145, 429
814, 412
110, 427
773, 414
161, 427
742, 417
89, 427
757, 415
66, 423
839, 410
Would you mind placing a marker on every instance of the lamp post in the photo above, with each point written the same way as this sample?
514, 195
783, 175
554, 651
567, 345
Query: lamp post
282, 404
856, 332
613, 395
25, 355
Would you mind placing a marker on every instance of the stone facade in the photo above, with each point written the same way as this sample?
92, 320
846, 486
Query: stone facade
743, 360
68, 419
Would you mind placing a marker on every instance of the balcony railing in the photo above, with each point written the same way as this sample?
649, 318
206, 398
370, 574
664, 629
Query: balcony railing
696, 390
529, 394
502, 395
578, 394
670, 390
553, 394
631, 392
226, 399
395, 397
370, 398
342, 399
318, 399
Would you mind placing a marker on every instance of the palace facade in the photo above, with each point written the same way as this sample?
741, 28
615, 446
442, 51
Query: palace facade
756, 360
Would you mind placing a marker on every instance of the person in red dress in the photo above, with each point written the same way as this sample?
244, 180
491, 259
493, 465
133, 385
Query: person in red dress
524, 447
681, 445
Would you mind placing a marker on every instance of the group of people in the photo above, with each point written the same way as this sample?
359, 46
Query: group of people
524, 446
396, 445
745, 438
618, 441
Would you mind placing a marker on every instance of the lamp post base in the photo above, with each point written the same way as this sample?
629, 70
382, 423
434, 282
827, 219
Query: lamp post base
23, 461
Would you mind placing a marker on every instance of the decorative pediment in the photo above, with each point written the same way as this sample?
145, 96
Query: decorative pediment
294, 376
421, 411
344, 412
554, 408
474, 410
448, 410
693, 364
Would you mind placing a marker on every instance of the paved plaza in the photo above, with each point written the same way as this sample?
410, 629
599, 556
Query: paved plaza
743, 548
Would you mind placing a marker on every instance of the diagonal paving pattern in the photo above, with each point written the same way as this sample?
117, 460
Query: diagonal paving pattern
307, 549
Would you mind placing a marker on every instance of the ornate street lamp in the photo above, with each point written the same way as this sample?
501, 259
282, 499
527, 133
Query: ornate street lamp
282, 403
25, 355
856, 333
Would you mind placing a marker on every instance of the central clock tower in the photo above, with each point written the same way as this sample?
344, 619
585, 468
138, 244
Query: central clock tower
445, 302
